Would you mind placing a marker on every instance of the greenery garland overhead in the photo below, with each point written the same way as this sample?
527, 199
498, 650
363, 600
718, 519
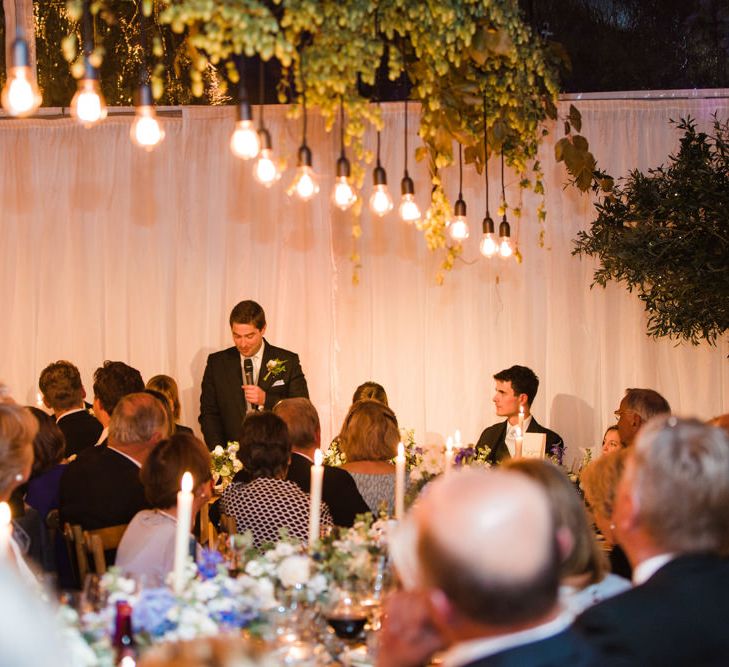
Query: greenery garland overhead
665, 234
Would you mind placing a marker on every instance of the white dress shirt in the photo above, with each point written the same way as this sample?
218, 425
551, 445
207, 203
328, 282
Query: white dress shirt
645, 570
510, 439
257, 359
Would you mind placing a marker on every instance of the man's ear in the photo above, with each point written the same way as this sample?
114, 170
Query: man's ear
441, 608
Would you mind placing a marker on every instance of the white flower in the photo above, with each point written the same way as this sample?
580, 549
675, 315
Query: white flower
294, 570
317, 584
225, 471
254, 568
272, 363
233, 447
218, 451
284, 549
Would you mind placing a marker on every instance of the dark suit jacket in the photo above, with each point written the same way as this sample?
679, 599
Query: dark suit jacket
222, 403
565, 649
676, 618
339, 490
101, 488
81, 431
495, 438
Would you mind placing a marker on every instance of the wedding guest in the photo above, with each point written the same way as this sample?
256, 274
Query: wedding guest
488, 562
268, 502
368, 439
636, 408
18, 427
671, 519
516, 388
584, 579
43, 487
112, 381
225, 396
371, 390
599, 481
722, 421
339, 490
166, 385
5, 394
611, 440
64, 393
102, 486
148, 544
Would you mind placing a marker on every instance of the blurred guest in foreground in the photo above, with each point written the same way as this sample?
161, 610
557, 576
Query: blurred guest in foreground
268, 502
671, 519
339, 490
166, 385
488, 562
64, 393
368, 439
636, 408
584, 580
148, 544
599, 481
611, 440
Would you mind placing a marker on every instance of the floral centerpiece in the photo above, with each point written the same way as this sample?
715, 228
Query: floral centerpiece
224, 464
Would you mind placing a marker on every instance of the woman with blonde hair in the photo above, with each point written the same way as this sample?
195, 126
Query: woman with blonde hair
368, 439
166, 385
584, 579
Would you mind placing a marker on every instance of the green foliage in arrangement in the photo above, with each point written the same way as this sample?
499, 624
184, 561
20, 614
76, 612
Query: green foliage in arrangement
666, 234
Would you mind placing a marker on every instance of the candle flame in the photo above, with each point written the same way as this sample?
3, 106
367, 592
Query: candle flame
4, 514
400, 450
517, 432
318, 457
186, 482
449, 444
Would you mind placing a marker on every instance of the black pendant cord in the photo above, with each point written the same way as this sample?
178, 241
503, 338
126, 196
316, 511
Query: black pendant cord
460, 171
406, 137
379, 107
341, 126
88, 29
503, 191
261, 92
303, 95
486, 158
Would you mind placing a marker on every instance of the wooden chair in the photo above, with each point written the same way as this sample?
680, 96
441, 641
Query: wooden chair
74, 540
227, 523
103, 539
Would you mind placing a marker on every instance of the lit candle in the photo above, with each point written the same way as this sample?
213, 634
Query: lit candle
518, 442
449, 454
182, 536
521, 419
457, 439
317, 476
400, 482
5, 528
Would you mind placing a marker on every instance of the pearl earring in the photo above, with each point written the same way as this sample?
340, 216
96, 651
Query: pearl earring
19, 477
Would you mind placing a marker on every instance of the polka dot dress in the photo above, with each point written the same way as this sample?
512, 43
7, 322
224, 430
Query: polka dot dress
265, 505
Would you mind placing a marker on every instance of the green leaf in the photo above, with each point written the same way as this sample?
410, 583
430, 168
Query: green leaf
580, 143
575, 117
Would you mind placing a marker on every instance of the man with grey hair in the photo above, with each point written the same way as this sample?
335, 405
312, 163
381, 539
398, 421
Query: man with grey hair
488, 571
672, 521
101, 487
636, 408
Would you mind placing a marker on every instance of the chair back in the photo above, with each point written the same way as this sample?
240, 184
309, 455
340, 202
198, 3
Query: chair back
73, 538
101, 540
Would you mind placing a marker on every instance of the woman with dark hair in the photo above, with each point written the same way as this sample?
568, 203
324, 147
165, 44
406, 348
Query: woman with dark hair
45, 476
268, 502
368, 439
584, 577
611, 440
372, 390
148, 544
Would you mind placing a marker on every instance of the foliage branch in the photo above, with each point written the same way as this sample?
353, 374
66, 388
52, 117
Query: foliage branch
665, 234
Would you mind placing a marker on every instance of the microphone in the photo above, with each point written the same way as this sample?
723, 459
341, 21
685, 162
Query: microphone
248, 369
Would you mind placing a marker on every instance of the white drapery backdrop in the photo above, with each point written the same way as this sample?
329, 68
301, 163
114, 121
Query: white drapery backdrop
111, 253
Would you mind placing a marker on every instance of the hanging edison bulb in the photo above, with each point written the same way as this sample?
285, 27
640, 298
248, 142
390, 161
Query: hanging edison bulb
266, 171
380, 199
505, 249
488, 246
458, 226
408, 209
245, 142
306, 183
146, 131
20, 95
343, 194
88, 105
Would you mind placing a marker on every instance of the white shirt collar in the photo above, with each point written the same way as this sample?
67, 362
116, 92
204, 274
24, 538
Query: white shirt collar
103, 436
645, 570
126, 456
70, 412
510, 437
470, 651
257, 359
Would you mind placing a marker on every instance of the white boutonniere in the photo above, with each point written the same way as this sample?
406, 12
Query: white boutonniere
274, 367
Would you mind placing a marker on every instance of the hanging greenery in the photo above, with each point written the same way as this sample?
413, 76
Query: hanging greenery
456, 56
666, 235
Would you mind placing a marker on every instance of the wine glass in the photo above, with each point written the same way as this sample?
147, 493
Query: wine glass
345, 613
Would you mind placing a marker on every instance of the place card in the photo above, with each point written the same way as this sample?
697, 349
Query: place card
534, 445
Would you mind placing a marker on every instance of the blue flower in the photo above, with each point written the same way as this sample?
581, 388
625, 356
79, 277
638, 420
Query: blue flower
208, 564
235, 618
463, 456
150, 613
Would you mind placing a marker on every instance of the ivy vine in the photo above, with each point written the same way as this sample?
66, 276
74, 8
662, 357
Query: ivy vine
665, 234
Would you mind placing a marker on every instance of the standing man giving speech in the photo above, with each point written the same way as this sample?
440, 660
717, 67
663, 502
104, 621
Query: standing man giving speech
251, 375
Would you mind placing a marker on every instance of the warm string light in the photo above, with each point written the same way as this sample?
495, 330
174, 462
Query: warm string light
343, 195
380, 199
408, 209
458, 226
20, 95
488, 245
305, 184
265, 171
505, 249
146, 131
88, 105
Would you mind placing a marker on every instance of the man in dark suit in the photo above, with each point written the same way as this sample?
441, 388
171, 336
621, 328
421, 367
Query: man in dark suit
516, 388
102, 487
112, 382
636, 408
63, 392
671, 520
339, 490
487, 577
225, 397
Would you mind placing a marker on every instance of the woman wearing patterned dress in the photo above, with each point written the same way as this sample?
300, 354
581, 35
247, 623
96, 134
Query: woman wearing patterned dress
369, 440
268, 502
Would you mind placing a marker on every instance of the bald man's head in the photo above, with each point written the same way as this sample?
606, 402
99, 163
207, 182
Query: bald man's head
487, 540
